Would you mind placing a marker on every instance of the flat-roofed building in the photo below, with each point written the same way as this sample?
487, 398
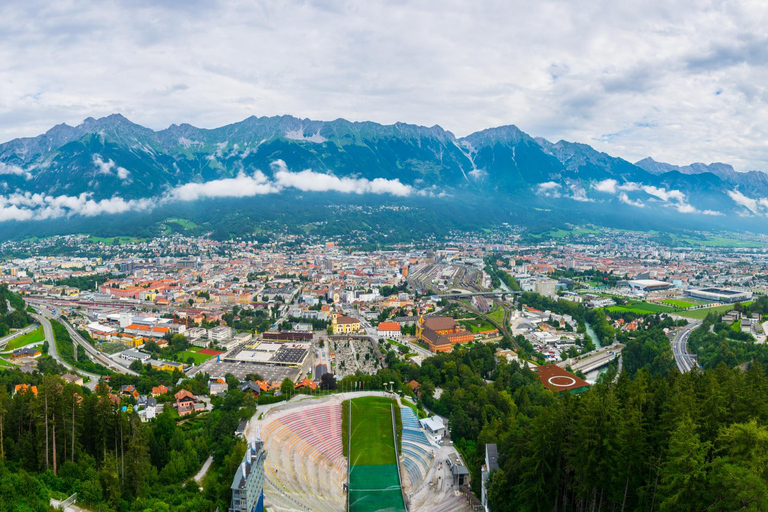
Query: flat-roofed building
720, 294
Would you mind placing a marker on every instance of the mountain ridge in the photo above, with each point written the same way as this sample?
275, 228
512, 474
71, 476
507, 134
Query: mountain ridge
111, 158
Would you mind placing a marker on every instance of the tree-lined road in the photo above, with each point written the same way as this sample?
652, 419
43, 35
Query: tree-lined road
54, 353
44, 315
683, 359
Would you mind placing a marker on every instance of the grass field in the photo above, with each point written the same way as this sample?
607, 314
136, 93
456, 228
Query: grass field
374, 482
677, 303
642, 308
193, 353
497, 315
35, 336
702, 313
3, 363
477, 325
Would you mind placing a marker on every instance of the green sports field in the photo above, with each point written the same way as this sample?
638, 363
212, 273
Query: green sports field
642, 308
193, 353
374, 483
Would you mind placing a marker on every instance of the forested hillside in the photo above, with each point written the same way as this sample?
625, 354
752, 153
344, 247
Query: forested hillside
649, 439
58, 439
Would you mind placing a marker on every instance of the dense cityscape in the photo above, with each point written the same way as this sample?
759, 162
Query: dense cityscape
214, 336
339, 256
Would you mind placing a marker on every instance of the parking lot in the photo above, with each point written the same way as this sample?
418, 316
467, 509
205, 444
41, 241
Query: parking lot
241, 370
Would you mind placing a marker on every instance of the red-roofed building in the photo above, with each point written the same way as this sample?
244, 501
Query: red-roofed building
306, 383
388, 330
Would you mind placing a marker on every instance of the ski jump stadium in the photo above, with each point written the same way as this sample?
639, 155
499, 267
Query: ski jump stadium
307, 467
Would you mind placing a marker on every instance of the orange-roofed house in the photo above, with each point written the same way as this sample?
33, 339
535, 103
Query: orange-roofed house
23, 388
306, 383
388, 330
159, 390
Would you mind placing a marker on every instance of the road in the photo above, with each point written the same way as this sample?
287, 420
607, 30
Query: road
44, 316
684, 360
54, 353
14, 335
594, 360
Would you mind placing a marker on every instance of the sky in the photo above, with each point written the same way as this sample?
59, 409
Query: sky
681, 81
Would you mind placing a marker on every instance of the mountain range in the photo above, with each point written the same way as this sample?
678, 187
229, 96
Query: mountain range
113, 166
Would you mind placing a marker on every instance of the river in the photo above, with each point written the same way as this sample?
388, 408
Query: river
593, 375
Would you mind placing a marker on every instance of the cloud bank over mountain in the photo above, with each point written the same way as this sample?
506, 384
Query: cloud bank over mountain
24, 206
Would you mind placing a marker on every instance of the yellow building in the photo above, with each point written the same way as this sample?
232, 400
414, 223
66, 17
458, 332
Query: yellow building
345, 324
167, 366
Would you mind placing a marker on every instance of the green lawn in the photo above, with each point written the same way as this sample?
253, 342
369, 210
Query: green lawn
372, 440
497, 315
642, 308
374, 483
192, 352
477, 325
700, 314
35, 336
3, 363
678, 303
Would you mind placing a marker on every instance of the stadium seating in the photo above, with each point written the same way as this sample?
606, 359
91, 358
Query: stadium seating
416, 449
305, 462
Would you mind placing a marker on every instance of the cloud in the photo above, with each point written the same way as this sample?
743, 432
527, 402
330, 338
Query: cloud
608, 186
109, 167
742, 200
11, 169
27, 206
578, 193
241, 186
624, 198
549, 189
671, 198
674, 77
310, 181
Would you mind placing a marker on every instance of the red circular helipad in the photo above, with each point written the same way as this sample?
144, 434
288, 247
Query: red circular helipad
562, 381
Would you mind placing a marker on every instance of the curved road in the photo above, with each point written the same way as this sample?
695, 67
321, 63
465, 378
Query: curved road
684, 360
44, 316
54, 353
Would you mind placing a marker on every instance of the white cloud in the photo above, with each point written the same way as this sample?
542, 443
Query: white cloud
108, 167
310, 181
608, 186
549, 185
28, 206
742, 200
664, 194
549, 189
578, 193
10, 169
624, 198
241, 186
671, 198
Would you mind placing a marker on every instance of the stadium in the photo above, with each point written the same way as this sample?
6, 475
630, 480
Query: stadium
393, 460
720, 295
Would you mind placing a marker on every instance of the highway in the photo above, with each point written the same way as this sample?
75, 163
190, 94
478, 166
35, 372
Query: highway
14, 335
78, 339
54, 353
684, 360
